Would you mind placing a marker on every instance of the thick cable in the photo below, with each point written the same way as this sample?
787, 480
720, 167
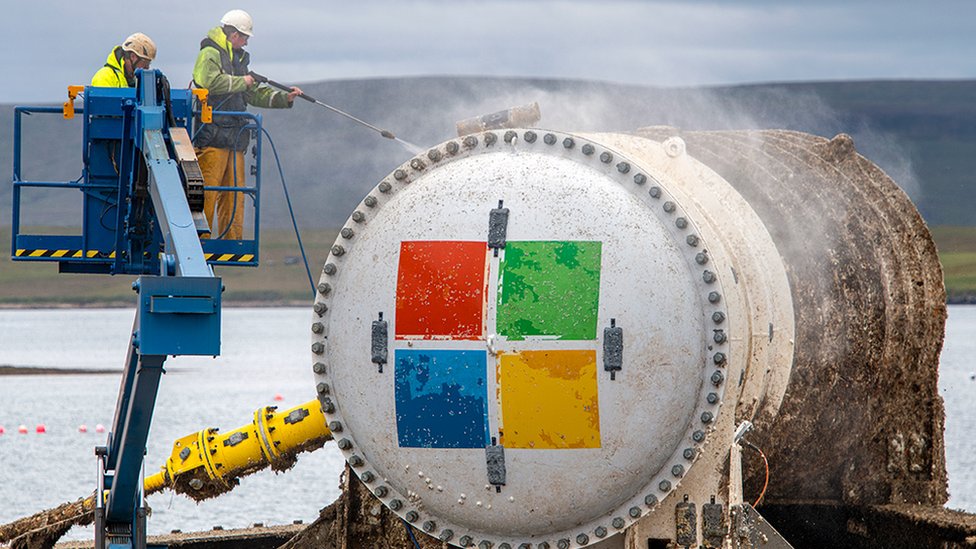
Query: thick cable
410, 533
291, 212
762, 493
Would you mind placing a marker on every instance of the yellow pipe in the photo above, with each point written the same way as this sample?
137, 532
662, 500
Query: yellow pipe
207, 463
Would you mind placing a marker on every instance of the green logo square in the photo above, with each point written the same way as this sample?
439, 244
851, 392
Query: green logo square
549, 288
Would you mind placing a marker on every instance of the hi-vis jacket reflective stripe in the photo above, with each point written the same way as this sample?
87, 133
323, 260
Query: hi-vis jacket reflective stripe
112, 75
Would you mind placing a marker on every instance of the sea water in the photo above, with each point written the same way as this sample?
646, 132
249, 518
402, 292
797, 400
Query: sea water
264, 354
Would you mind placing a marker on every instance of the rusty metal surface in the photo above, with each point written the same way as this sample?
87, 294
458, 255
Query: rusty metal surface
862, 420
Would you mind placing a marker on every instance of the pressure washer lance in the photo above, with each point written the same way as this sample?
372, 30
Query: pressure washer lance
385, 133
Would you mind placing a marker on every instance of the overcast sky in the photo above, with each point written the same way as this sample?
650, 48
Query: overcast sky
47, 44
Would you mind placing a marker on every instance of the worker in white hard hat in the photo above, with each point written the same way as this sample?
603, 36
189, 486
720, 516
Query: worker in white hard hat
119, 71
222, 68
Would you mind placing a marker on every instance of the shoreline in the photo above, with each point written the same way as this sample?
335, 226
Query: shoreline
8, 370
131, 305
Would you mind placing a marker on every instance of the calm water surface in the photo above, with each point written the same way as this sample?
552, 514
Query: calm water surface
265, 352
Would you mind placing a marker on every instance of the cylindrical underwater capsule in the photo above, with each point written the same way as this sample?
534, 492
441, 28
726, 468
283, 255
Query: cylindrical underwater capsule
536, 337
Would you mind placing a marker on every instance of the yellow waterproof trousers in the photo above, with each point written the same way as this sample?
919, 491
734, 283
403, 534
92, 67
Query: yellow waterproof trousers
217, 166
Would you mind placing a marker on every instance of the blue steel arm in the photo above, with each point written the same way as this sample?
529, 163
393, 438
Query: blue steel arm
180, 238
178, 314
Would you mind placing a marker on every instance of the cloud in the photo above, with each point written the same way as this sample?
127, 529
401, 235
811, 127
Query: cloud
46, 46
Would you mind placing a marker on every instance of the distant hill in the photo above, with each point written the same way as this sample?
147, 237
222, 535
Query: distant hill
922, 133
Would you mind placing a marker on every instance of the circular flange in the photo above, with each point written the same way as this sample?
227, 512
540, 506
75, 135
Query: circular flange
520, 337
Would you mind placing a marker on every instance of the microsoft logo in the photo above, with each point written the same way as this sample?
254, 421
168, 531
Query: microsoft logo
502, 347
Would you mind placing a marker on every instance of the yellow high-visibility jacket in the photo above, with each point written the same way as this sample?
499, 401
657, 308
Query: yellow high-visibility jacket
112, 75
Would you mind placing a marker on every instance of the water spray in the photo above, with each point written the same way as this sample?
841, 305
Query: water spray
414, 149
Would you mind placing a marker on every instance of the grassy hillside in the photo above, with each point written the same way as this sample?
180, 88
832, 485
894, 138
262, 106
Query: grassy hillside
280, 279
921, 133
957, 252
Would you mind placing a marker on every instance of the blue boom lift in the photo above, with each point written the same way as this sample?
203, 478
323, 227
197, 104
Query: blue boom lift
142, 214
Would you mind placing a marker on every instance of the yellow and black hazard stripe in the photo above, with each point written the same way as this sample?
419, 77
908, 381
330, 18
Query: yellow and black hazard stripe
229, 258
93, 254
69, 254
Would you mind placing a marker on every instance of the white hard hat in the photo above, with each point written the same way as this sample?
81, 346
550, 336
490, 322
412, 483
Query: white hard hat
240, 20
141, 45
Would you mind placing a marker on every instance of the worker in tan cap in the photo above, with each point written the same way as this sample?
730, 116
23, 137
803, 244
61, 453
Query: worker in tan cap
137, 52
222, 68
